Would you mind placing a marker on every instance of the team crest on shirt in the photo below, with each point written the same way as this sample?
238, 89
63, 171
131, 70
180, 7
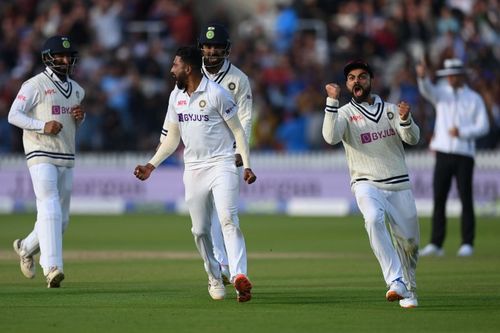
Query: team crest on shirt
390, 115
231, 85
202, 103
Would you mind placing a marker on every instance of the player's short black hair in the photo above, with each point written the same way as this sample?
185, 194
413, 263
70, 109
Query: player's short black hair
190, 55
357, 64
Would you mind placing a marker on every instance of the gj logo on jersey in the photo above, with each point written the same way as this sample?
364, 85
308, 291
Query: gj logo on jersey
57, 109
374, 136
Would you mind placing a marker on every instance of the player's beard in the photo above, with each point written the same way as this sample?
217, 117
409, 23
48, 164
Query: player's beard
181, 81
360, 94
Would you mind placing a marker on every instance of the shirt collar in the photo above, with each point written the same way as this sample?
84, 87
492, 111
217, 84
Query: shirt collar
376, 100
54, 76
223, 68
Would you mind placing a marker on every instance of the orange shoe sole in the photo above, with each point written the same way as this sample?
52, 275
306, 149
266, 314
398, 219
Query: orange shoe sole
392, 296
243, 287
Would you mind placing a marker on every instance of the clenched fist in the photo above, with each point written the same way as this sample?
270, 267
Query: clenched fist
52, 127
78, 113
248, 176
143, 172
404, 110
333, 90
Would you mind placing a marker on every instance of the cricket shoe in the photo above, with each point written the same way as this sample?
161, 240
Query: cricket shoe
243, 288
226, 276
216, 289
466, 250
410, 301
397, 291
27, 263
54, 277
431, 250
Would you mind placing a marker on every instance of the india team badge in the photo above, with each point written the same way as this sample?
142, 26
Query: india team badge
231, 85
390, 115
210, 33
202, 103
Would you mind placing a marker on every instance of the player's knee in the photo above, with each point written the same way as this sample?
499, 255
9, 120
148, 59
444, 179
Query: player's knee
374, 219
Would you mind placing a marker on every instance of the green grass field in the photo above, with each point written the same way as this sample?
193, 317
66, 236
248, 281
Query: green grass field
140, 273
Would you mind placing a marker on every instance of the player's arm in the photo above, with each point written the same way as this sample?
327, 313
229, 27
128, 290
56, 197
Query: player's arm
27, 98
407, 129
239, 135
425, 86
333, 125
166, 148
245, 105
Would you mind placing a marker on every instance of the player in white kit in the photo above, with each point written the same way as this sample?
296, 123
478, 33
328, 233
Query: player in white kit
47, 108
215, 46
204, 116
372, 132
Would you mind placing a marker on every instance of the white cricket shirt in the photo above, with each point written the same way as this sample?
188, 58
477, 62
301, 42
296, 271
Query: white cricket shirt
372, 136
237, 84
201, 118
43, 98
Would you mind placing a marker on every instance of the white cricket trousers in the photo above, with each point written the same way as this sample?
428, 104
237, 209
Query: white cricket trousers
216, 187
52, 186
397, 255
217, 236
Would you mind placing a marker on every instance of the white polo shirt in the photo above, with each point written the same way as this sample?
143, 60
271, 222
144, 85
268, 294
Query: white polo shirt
202, 118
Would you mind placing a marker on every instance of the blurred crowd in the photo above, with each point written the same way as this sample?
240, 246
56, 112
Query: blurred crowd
289, 50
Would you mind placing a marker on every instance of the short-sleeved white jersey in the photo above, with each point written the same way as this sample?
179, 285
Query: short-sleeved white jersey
202, 118
237, 84
372, 136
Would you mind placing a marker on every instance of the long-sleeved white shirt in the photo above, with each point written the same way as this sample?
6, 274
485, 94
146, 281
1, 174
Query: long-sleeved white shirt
372, 136
462, 108
43, 98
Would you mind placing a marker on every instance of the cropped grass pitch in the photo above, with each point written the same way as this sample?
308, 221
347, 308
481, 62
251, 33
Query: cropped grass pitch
140, 273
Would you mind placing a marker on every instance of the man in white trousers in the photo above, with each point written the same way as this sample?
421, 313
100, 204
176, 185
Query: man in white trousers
215, 46
372, 132
204, 116
47, 109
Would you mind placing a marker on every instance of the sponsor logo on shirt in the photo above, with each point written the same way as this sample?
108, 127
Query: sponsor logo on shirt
57, 109
181, 102
355, 117
185, 117
21, 98
50, 92
374, 136
228, 111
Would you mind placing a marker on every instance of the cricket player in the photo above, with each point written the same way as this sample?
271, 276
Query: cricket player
372, 132
215, 46
204, 116
47, 108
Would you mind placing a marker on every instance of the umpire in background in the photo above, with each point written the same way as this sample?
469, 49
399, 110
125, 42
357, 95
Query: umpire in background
460, 119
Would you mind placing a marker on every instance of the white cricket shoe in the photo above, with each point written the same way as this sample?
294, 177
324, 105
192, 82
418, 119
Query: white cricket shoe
397, 291
226, 276
54, 277
27, 263
431, 250
466, 250
410, 301
216, 289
